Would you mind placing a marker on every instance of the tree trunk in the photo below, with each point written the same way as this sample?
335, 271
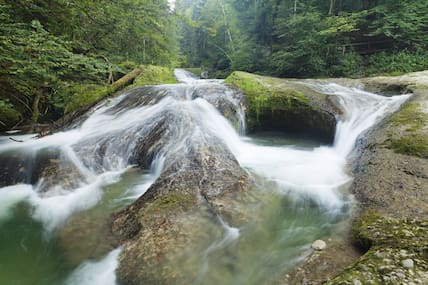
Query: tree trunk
331, 10
35, 115
125, 80
229, 34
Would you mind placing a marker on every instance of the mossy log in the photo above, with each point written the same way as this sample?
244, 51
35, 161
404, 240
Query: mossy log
125, 80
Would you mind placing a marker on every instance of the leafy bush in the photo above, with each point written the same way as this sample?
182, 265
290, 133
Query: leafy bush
399, 62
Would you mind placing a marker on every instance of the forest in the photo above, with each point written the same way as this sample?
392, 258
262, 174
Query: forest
53, 51
305, 38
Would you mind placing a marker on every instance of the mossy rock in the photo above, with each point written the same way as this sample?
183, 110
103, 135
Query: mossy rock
276, 104
397, 252
386, 266
375, 230
168, 203
412, 139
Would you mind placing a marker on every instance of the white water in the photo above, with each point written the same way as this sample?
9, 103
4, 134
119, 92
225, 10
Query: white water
317, 173
100, 272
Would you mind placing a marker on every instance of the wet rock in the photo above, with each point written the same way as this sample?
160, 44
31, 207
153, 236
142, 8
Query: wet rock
200, 185
319, 245
45, 168
391, 174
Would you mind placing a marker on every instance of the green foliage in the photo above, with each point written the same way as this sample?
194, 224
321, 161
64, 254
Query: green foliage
306, 38
399, 62
50, 50
8, 115
84, 95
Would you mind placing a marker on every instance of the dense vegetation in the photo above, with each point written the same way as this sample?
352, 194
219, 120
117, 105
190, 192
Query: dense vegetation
56, 55
305, 38
52, 51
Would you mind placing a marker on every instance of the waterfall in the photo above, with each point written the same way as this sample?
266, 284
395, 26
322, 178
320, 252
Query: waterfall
101, 150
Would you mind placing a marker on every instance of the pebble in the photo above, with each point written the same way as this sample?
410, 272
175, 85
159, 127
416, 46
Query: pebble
319, 245
357, 282
408, 263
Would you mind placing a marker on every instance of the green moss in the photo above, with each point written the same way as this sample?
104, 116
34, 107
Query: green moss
411, 116
152, 75
383, 265
390, 241
373, 229
414, 139
266, 93
173, 200
84, 95
414, 145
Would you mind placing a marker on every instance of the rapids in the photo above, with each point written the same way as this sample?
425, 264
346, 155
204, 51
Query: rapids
307, 181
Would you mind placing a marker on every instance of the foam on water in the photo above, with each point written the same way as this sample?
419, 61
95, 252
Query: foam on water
100, 272
53, 210
10, 196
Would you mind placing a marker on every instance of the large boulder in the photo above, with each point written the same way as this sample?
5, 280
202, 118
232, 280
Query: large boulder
200, 186
287, 105
180, 213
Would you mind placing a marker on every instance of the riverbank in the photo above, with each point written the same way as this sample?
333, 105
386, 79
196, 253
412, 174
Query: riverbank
384, 245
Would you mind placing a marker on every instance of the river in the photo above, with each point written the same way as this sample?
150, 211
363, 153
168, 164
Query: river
304, 185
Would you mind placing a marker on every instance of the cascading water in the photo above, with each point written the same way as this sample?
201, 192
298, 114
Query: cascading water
304, 184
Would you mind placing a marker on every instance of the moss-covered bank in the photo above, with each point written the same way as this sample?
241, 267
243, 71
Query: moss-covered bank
279, 104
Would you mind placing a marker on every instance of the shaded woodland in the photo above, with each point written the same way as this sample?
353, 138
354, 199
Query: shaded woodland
59, 55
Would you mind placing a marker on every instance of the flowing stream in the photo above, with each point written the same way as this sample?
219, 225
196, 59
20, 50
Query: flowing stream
304, 185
